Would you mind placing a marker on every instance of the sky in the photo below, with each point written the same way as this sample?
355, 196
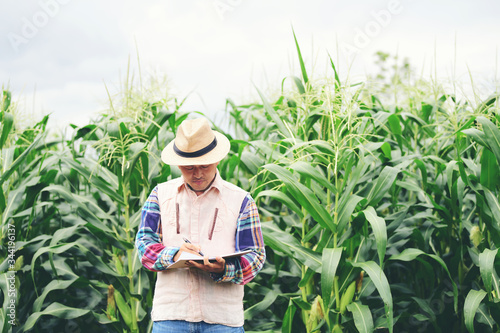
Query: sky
61, 57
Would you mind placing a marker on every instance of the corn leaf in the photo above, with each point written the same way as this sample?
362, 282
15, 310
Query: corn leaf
287, 326
412, 253
477, 135
17, 162
303, 195
488, 274
57, 310
6, 125
492, 136
301, 61
346, 209
308, 171
284, 242
380, 281
274, 115
472, 301
379, 230
53, 285
382, 186
490, 172
362, 315
283, 198
267, 301
330, 261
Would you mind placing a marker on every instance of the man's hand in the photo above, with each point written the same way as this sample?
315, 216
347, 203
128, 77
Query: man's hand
213, 267
187, 247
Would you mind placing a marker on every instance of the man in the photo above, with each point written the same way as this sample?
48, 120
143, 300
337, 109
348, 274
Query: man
199, 213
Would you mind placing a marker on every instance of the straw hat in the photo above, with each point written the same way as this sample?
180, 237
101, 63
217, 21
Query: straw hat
196, 144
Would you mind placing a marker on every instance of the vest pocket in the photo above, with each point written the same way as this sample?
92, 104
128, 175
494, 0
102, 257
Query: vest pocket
170, 219
177, 223
214, 224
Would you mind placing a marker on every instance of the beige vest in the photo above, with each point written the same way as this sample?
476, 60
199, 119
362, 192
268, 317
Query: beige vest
209, 220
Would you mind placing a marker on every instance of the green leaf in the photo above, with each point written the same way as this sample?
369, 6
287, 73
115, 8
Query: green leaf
156, 124
85, 130
379, 230
301, 61
472, 301
423, 171
56, 249
303, 195
81, 202
53, 285
494, 206
450, 168
380, 281
484, 106
274, 115
65, 233
300, 86
345, 211
13, 167
386, 149
283, 198
269, 299
3, 204
337, 79
7, 123
284, 242
308, 171
425, 307
85, 169
477, 135
488, 274
492, 136
330, 261
412, 253
57, 310
362, 315
382, 186
287, 326
489, 170
395, 124
6, 99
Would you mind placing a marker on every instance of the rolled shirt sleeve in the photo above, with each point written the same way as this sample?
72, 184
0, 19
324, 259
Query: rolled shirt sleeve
153, 254
248, 236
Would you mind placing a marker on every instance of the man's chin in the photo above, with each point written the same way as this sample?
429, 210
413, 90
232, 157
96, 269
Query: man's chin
198, 186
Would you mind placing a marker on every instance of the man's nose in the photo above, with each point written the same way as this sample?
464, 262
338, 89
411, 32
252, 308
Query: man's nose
196, 172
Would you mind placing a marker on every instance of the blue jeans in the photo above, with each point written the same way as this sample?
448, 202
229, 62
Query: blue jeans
180, 326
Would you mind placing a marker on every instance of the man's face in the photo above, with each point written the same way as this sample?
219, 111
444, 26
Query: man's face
199, 177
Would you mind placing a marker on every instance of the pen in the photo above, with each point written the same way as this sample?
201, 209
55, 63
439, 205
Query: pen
187, 241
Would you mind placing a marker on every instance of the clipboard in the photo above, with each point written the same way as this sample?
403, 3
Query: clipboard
186, 256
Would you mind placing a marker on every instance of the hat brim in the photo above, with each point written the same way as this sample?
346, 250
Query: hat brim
169, 156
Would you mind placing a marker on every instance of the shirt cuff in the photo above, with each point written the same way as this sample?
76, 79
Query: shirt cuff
167, 257
227, 275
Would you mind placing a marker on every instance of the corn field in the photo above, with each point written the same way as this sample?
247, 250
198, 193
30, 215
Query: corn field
379, 204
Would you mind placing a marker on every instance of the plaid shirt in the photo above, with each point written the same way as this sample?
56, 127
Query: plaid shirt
155, 256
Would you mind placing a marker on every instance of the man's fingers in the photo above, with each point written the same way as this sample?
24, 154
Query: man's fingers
217, 267
191, 248
220, 259
188, 247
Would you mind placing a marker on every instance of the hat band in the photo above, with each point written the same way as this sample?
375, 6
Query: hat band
197, 153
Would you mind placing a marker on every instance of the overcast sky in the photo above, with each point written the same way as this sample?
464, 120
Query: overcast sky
57, 55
